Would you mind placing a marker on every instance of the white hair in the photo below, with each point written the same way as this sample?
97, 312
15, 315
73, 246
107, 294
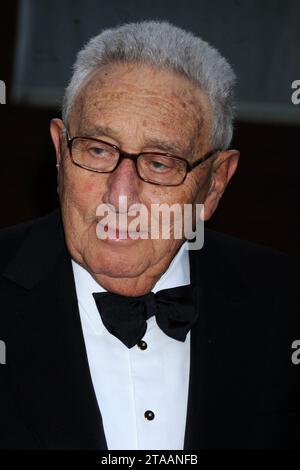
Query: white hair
161, 44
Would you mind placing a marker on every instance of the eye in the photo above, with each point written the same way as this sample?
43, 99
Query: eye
97, 151
158, 165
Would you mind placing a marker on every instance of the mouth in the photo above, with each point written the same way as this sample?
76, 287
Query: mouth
114, 234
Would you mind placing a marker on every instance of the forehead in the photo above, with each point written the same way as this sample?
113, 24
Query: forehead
142, 99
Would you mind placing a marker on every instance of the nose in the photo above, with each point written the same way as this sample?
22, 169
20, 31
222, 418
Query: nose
123, 181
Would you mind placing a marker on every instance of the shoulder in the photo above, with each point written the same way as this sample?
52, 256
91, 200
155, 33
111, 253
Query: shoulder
267, 278
13, 237
264, 322
256, 263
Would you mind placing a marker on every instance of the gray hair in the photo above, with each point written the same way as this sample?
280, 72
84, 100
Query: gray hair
161, 44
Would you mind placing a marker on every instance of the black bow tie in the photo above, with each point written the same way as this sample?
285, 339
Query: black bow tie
126, 317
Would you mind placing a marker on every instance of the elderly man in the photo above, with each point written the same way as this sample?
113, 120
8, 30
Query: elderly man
118, 339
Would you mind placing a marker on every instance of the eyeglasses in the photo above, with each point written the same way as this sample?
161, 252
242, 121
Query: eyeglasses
153, 167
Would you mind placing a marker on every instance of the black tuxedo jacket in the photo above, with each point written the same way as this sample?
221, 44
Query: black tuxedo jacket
244, 388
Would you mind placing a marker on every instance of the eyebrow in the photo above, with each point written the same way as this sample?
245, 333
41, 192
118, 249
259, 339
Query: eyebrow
169, 147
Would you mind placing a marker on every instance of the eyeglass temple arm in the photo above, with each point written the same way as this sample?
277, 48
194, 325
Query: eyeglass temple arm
203, 159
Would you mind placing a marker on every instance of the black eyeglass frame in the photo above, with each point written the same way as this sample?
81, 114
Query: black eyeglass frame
134, 157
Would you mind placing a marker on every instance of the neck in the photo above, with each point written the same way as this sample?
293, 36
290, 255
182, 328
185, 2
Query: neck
131, 286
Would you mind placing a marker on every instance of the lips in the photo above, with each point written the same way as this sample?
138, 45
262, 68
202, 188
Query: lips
111, 233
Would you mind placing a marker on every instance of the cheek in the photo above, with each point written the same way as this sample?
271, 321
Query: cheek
167, 195
172, 196
83, 189
196, 187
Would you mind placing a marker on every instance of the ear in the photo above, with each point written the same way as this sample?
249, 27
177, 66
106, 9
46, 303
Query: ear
223, 169
56, 128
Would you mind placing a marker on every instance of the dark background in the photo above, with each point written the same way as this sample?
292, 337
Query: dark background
261, 203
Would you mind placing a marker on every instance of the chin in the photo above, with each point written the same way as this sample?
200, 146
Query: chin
117, 261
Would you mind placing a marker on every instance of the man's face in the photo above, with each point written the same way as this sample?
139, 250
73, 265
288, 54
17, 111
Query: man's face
139, 109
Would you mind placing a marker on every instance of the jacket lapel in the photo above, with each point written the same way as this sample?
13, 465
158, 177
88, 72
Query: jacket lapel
220, 296
47, 356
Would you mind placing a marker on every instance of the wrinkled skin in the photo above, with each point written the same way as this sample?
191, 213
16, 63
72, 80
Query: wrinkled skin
138, 108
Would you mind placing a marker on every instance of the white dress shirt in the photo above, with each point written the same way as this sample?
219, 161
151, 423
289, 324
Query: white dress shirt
129, 382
